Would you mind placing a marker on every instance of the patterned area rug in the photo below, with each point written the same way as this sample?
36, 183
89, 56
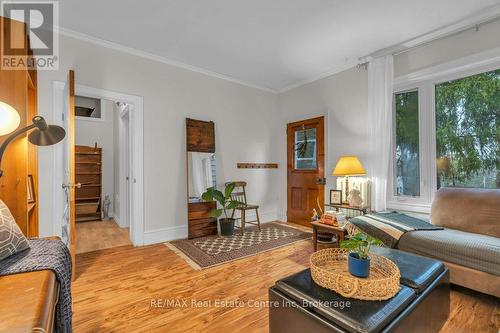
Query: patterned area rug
214, 250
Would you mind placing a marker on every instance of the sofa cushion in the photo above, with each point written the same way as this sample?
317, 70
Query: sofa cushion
12, 239
467, 209
471, 250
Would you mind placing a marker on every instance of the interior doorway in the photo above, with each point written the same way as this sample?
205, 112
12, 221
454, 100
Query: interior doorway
64, 213
102, 165
305, 169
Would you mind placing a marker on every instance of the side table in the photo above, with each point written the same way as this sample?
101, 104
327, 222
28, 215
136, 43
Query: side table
339, 232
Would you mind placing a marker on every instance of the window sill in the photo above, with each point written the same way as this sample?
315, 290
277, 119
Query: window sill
424, 208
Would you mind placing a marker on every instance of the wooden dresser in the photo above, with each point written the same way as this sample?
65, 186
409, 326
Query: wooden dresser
28, 302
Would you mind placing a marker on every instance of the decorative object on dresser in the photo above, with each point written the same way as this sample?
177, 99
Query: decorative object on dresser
88, 173
240, 195
348, 166
335, 197
257, 165
228, 205
201, 174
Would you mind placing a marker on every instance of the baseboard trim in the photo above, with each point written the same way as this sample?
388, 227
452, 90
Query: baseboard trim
162, 235
165, 234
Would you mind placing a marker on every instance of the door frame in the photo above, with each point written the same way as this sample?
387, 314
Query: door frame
327, 162
136, 133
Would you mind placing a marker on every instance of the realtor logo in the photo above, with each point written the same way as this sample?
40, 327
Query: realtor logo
41, 20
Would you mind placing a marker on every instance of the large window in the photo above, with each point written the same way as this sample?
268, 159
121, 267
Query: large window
468, 131
446, 133
407, 147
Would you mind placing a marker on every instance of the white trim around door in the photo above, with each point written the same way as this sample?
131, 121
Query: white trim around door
136, 119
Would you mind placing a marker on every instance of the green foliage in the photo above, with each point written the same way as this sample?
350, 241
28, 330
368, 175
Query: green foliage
224, 199
360, 244
468, 131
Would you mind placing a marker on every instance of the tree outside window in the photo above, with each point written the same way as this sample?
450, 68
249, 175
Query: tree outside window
468, 131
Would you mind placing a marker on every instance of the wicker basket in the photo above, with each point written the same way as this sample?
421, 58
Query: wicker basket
329, 270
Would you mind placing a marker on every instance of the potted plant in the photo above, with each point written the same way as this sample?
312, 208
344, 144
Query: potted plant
228, 205
359, 246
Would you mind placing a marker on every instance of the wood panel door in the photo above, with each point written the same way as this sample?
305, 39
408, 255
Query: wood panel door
305, 169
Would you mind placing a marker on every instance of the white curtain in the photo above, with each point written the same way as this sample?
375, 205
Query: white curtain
380, 85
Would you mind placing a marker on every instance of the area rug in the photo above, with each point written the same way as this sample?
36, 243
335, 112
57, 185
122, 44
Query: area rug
214, 250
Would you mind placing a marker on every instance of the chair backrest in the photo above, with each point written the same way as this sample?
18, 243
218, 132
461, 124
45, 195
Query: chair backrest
239, 193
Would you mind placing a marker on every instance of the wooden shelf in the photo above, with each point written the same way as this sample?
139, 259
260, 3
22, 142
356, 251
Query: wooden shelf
87, 153
88, 196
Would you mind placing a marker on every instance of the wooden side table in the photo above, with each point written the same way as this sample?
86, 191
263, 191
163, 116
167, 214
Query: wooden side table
361, 210
339, 233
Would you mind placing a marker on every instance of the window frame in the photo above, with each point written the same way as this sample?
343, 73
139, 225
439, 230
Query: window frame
425, 82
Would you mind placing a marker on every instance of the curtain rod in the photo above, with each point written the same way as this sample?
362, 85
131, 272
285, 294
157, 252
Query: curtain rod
401, 48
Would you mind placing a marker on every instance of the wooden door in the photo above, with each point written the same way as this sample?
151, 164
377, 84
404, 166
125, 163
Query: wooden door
68, 224
305, 169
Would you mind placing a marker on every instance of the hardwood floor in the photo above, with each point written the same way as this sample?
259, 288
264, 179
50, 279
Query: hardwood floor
115, 288
98, 235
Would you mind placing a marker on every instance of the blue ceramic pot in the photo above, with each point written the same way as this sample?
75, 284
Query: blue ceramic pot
357, 266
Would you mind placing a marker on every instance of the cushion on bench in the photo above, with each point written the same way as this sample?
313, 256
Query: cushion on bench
462, 248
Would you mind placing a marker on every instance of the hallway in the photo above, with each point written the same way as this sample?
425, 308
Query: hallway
98, 235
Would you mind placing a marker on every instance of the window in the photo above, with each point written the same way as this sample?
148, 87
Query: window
407, 153
446, 131
305, 149
468, 130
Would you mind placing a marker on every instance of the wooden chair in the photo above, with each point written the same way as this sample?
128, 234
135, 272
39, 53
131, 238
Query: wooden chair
240, 195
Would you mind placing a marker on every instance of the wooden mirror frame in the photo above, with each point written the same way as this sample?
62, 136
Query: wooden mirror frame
200, 137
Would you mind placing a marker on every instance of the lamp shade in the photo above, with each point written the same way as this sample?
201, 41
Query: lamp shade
9, 119
349, 166
45, 135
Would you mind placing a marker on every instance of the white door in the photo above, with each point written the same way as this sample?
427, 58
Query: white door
68, 160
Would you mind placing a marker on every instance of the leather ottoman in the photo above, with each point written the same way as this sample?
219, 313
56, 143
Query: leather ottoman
297, 304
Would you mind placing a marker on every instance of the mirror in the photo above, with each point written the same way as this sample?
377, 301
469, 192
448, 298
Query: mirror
201, 174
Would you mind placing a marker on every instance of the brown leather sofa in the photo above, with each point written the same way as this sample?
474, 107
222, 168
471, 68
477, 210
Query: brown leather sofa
469, 245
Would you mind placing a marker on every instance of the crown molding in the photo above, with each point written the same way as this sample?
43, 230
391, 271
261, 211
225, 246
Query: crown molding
484, 16
157, 58
349, 64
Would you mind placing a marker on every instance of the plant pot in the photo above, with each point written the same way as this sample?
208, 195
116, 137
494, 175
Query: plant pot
226, 227
357, 266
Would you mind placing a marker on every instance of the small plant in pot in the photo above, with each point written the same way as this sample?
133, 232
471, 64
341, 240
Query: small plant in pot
358, 260
228, 205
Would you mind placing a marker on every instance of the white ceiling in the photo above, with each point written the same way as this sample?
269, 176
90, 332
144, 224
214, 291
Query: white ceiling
272, 44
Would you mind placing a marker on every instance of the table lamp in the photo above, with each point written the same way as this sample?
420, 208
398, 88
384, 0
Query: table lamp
348, 166
42, 134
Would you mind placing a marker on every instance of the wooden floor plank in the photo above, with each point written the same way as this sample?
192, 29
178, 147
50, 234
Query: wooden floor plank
114, 289
99, 235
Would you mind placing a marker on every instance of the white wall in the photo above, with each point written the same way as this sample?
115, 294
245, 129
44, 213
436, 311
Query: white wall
342, 97
245, 118
88, 132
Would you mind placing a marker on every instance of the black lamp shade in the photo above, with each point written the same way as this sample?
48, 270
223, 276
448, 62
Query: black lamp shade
47, 136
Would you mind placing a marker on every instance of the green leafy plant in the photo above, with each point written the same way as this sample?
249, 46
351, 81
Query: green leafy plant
360, 243
228, 205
